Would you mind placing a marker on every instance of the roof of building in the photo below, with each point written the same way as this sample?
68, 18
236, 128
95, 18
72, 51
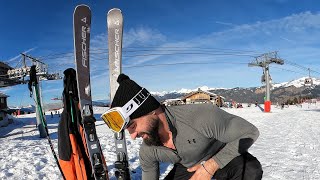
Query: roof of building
3, 95
5, 65
198, 91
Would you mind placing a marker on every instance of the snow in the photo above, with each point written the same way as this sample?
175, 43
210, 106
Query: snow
288, 146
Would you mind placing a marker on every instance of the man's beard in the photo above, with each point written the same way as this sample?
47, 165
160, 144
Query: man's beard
153, 138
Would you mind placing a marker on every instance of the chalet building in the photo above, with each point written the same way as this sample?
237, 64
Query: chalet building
3, 110
199, 96
4, 80
3, 101
3, 72
4, 68
196, 97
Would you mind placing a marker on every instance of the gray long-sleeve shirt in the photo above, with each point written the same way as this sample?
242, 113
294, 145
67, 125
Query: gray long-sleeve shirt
200, 132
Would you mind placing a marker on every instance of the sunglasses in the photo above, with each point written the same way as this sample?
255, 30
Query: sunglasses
117, 118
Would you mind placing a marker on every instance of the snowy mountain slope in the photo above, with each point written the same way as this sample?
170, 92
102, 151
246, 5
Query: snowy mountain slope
184, 91
280, 92
296, 83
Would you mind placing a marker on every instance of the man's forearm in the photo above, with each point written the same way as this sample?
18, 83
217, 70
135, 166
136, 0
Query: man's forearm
211, 166
236, 147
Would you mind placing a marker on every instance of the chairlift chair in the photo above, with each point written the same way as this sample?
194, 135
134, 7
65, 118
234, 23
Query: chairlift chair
270, 79
263, 79
308, 81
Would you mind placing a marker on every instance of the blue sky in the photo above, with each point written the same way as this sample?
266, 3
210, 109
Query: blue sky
163, 38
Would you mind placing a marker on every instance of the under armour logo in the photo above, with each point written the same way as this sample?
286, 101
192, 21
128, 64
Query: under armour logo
193, 141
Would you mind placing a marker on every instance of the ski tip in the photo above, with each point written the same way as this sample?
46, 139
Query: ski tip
114, 10
82, 6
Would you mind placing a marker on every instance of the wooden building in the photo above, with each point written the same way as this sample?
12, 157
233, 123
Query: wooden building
3, 72
3, 101
4, 80
199, 96
3, 110
196, 97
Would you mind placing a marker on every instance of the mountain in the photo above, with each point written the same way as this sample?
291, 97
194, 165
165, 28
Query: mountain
280, 92
297, 83
101, 103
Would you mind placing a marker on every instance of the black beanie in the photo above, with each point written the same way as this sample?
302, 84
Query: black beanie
127, 90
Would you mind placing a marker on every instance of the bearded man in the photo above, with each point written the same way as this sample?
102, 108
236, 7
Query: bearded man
201, 140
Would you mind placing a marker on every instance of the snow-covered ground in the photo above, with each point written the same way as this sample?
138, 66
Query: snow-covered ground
288, 146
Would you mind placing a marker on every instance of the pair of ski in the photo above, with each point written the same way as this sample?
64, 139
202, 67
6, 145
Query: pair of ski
82, 23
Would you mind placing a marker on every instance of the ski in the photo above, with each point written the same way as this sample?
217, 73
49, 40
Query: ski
82, 23
115, 30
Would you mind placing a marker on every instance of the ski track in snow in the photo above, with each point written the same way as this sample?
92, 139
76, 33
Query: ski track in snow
288, 146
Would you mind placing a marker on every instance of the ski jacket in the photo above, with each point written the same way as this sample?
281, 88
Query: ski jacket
73, 158
200, 132
73, 154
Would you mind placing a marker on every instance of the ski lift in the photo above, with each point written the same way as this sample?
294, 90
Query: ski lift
308, 81
263, 79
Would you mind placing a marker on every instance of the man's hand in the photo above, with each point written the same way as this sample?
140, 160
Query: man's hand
204, 172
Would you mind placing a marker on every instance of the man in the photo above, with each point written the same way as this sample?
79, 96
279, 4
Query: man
201, 140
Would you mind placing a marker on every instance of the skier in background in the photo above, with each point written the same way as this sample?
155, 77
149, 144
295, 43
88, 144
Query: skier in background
201, 140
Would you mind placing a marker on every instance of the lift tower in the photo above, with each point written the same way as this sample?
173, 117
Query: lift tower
41, 74
263, 61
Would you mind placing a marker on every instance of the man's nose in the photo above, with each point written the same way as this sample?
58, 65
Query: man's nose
133, 135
